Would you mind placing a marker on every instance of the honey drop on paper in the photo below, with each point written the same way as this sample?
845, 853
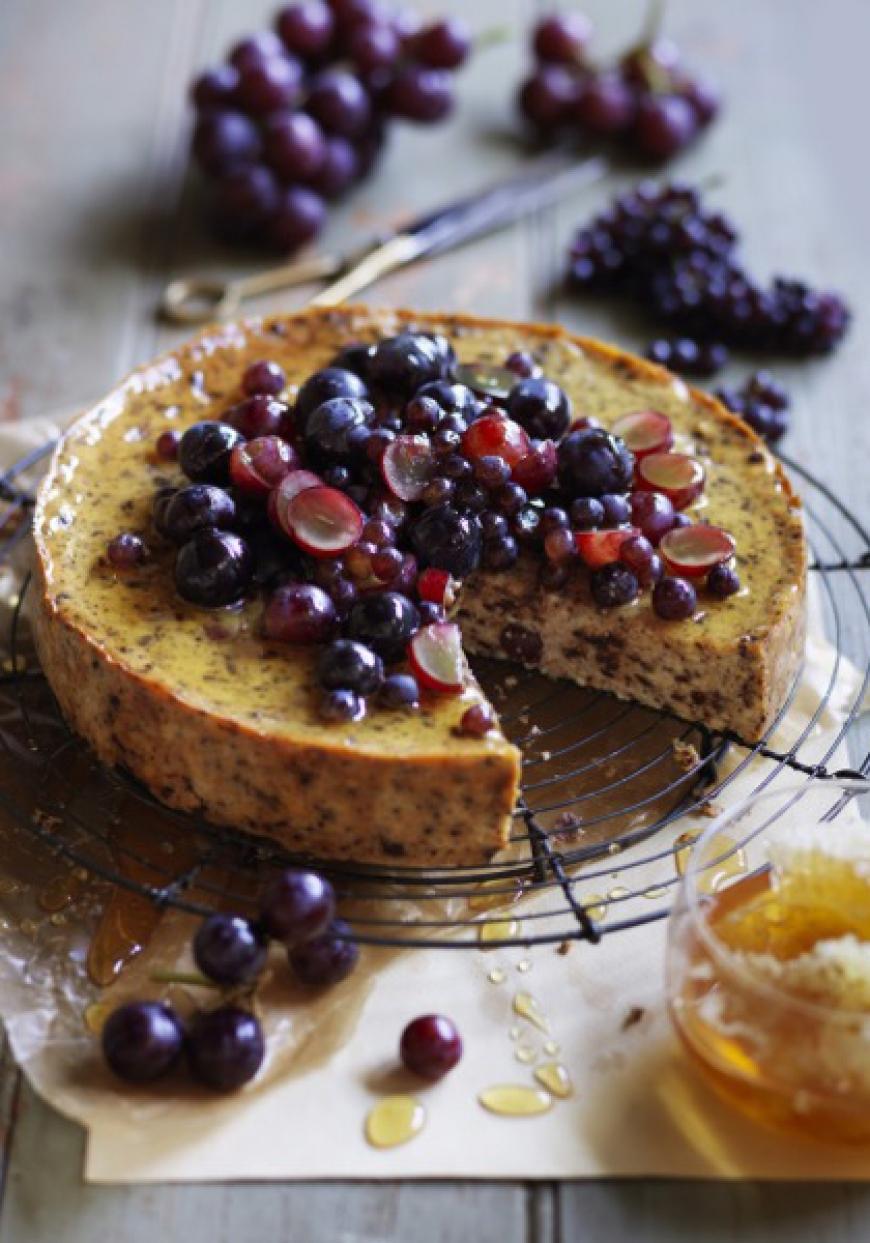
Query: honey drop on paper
499, 930
394, 1120
555, 1078
683, 846
527, 1008
515, 1100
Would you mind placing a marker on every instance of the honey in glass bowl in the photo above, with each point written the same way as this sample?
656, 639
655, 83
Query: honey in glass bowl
769, 973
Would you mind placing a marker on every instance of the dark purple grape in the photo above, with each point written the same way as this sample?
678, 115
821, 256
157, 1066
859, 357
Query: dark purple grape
193, 508
322, 386
593, 462
384, 621
452, 398
256, 50
204, 451
266, 88
443, 45
225, 1047
229, 949
342, 705
399, 690
526, 525
664, 125
299, 613
328, 429
617, 509
325, 960
431, 1045
522, 364
613, 585
562, 38
142, 1041
223, 141
541, 407
500, 552
704, 97
637, 553
448, 539
264, 378
306, 28
354, 358
340, 168
373, 46
559, 545
259, 415
216, 88
246, 199
340, 103
763, 387
723, 581
295, 146
126, 550
298, 219
674, 599
653, 513
420, 94
606, 104
587, 513
214, 568
403, 364
296, 906
549, 97
491, 471
166, 445
347, 665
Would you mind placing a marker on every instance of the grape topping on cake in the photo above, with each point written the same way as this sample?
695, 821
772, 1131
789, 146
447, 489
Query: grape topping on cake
263, 557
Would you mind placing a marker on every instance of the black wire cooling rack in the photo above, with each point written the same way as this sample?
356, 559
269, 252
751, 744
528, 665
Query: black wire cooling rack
607, 784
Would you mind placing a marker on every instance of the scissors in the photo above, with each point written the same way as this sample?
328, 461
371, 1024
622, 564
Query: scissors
192, 300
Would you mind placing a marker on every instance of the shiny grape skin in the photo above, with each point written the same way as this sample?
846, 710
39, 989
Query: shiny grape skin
421, 94
297, 905
225, 140
325, 960
298, 219
430, 1046
193, 508
299, 613
142, 1040
213, 569
229, 950
307, 28
225, 1047
204, 451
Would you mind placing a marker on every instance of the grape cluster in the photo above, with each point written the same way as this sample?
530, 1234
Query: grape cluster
645, 100
661, 248
144, 1040
299, 114
762, 402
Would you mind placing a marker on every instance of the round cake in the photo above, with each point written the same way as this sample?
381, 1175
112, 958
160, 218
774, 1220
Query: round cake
528, 494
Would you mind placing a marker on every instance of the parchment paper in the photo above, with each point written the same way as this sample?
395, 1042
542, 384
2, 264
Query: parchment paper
638, 1108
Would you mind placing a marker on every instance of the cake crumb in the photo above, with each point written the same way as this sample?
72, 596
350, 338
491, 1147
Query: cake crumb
563, 948
686, 755
709, 809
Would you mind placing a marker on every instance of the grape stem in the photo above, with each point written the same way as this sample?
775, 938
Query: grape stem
183, 977
653, 22
491, 37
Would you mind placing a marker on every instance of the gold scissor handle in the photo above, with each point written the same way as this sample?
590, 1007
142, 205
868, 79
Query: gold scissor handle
199, 299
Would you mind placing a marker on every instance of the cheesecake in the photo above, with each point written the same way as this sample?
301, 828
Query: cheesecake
206, 702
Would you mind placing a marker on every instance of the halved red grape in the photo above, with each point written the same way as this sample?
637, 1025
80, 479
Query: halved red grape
435, 653
599, 548
437, 586
258, 466
291, 485
323, 521
537, 470
694, 550
406, 466
495, 434
677, 475
645, 431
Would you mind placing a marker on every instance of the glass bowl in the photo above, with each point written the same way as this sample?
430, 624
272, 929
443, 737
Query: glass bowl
791, 1050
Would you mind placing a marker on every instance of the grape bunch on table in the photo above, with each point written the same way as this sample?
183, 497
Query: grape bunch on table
299, 114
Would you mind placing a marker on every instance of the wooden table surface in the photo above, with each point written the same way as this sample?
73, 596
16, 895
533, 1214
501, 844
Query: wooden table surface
97, 211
